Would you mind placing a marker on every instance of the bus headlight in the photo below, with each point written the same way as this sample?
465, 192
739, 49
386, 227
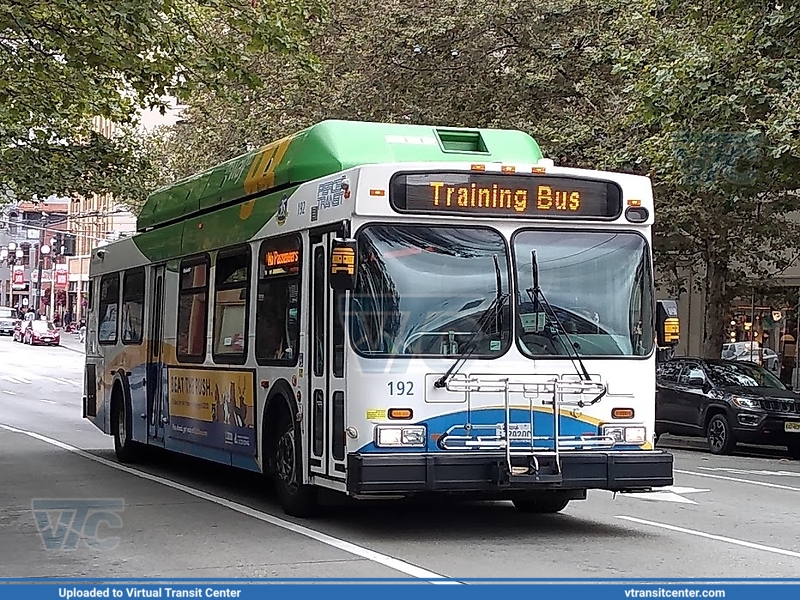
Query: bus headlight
407, 437
628, 434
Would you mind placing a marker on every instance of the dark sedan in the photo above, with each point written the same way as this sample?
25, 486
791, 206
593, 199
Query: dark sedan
727, 402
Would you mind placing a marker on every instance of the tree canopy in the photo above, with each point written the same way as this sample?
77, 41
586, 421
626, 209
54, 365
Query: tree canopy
63, 63
703, 98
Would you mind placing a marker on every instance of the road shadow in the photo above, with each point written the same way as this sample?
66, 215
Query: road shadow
431, 519
700, 445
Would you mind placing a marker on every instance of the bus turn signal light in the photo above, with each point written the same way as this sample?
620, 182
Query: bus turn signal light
634, 202
622, 413
400, 413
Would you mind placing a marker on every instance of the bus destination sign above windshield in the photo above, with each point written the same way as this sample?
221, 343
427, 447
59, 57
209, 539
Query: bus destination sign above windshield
500, 195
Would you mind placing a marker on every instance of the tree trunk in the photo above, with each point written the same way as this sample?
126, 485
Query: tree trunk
717, 300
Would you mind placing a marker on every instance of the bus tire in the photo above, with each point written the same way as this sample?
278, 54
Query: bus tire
126, 449
541, 504
296, 499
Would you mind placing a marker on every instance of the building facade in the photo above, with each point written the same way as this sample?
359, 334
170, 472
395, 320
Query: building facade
95, 220
28, 243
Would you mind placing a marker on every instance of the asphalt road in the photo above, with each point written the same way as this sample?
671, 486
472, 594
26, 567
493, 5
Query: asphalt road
726, 517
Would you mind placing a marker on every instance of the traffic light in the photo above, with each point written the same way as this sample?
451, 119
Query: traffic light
68, 245
58, 243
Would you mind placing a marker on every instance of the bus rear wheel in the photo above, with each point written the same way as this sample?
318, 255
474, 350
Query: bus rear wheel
541, 504
126, 449
297, 499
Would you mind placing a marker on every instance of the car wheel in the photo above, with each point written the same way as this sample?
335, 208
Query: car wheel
719, 435
794, 450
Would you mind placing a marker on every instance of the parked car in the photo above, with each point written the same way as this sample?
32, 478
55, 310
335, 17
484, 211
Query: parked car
7, 318
727, 402
41, 332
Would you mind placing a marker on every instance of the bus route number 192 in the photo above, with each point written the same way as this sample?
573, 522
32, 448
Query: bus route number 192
517, 431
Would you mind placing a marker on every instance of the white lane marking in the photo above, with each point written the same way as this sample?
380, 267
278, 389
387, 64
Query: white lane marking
10, 393
349, 547
763, 472
711, 536
668, 494
48, 401
776, 486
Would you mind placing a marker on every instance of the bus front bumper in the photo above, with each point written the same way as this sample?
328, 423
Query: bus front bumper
485, 472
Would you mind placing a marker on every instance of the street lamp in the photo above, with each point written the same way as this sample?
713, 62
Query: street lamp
44, 250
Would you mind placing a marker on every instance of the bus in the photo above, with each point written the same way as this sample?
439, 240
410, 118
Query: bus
387, 311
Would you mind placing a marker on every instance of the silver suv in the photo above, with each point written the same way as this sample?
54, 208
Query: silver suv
8, 317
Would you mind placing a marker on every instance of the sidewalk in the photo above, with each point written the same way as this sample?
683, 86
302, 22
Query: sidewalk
72, 341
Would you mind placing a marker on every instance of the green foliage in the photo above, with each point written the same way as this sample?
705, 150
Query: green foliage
715, 92
702, 97
63, 63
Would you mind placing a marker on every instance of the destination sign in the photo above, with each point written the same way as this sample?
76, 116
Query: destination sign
277, 262
501, 195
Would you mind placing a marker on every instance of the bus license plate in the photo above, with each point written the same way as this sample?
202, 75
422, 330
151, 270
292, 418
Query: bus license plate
518, 431
792, 426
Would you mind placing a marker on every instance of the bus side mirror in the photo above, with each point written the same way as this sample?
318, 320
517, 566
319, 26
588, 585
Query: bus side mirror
342, 271
668, 324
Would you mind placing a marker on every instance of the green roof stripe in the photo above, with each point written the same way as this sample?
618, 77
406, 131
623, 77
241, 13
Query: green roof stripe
326, 148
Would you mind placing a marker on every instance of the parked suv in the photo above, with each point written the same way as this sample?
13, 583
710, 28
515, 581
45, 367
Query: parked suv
8, 316
727, 402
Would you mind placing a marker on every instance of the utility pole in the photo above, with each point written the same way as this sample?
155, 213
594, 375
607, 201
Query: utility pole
44, 249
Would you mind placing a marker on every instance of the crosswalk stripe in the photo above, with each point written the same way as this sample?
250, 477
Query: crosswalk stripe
60, 380
16, 379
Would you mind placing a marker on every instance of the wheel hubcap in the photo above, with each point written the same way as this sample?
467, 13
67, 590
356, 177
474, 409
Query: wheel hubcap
717, 434
286, 463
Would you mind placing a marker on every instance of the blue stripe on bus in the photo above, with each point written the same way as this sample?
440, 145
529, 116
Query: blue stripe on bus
542, 424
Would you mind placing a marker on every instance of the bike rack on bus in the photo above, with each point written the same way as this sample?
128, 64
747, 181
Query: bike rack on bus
558, 392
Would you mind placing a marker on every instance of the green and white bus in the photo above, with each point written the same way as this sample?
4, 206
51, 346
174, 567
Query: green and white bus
387, 310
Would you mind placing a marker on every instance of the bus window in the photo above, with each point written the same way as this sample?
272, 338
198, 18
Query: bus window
278, 304
192, 313
109, 306
231, 287
132, 306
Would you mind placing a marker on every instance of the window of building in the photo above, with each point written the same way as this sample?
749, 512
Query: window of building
278, 305
193, 310
109, 309
132, 306
231, 305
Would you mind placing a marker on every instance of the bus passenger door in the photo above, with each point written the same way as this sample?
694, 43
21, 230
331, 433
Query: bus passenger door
155, 359
326, 424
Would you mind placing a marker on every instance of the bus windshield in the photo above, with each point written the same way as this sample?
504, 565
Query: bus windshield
425, 291
599, 285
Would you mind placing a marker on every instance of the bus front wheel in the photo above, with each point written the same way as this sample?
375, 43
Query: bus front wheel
297, 499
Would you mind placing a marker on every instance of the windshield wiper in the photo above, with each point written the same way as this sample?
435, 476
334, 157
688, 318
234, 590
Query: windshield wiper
535, 294
495, 307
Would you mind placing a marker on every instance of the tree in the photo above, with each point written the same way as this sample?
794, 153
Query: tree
712, 117
63, 63
544, 68
720, 116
